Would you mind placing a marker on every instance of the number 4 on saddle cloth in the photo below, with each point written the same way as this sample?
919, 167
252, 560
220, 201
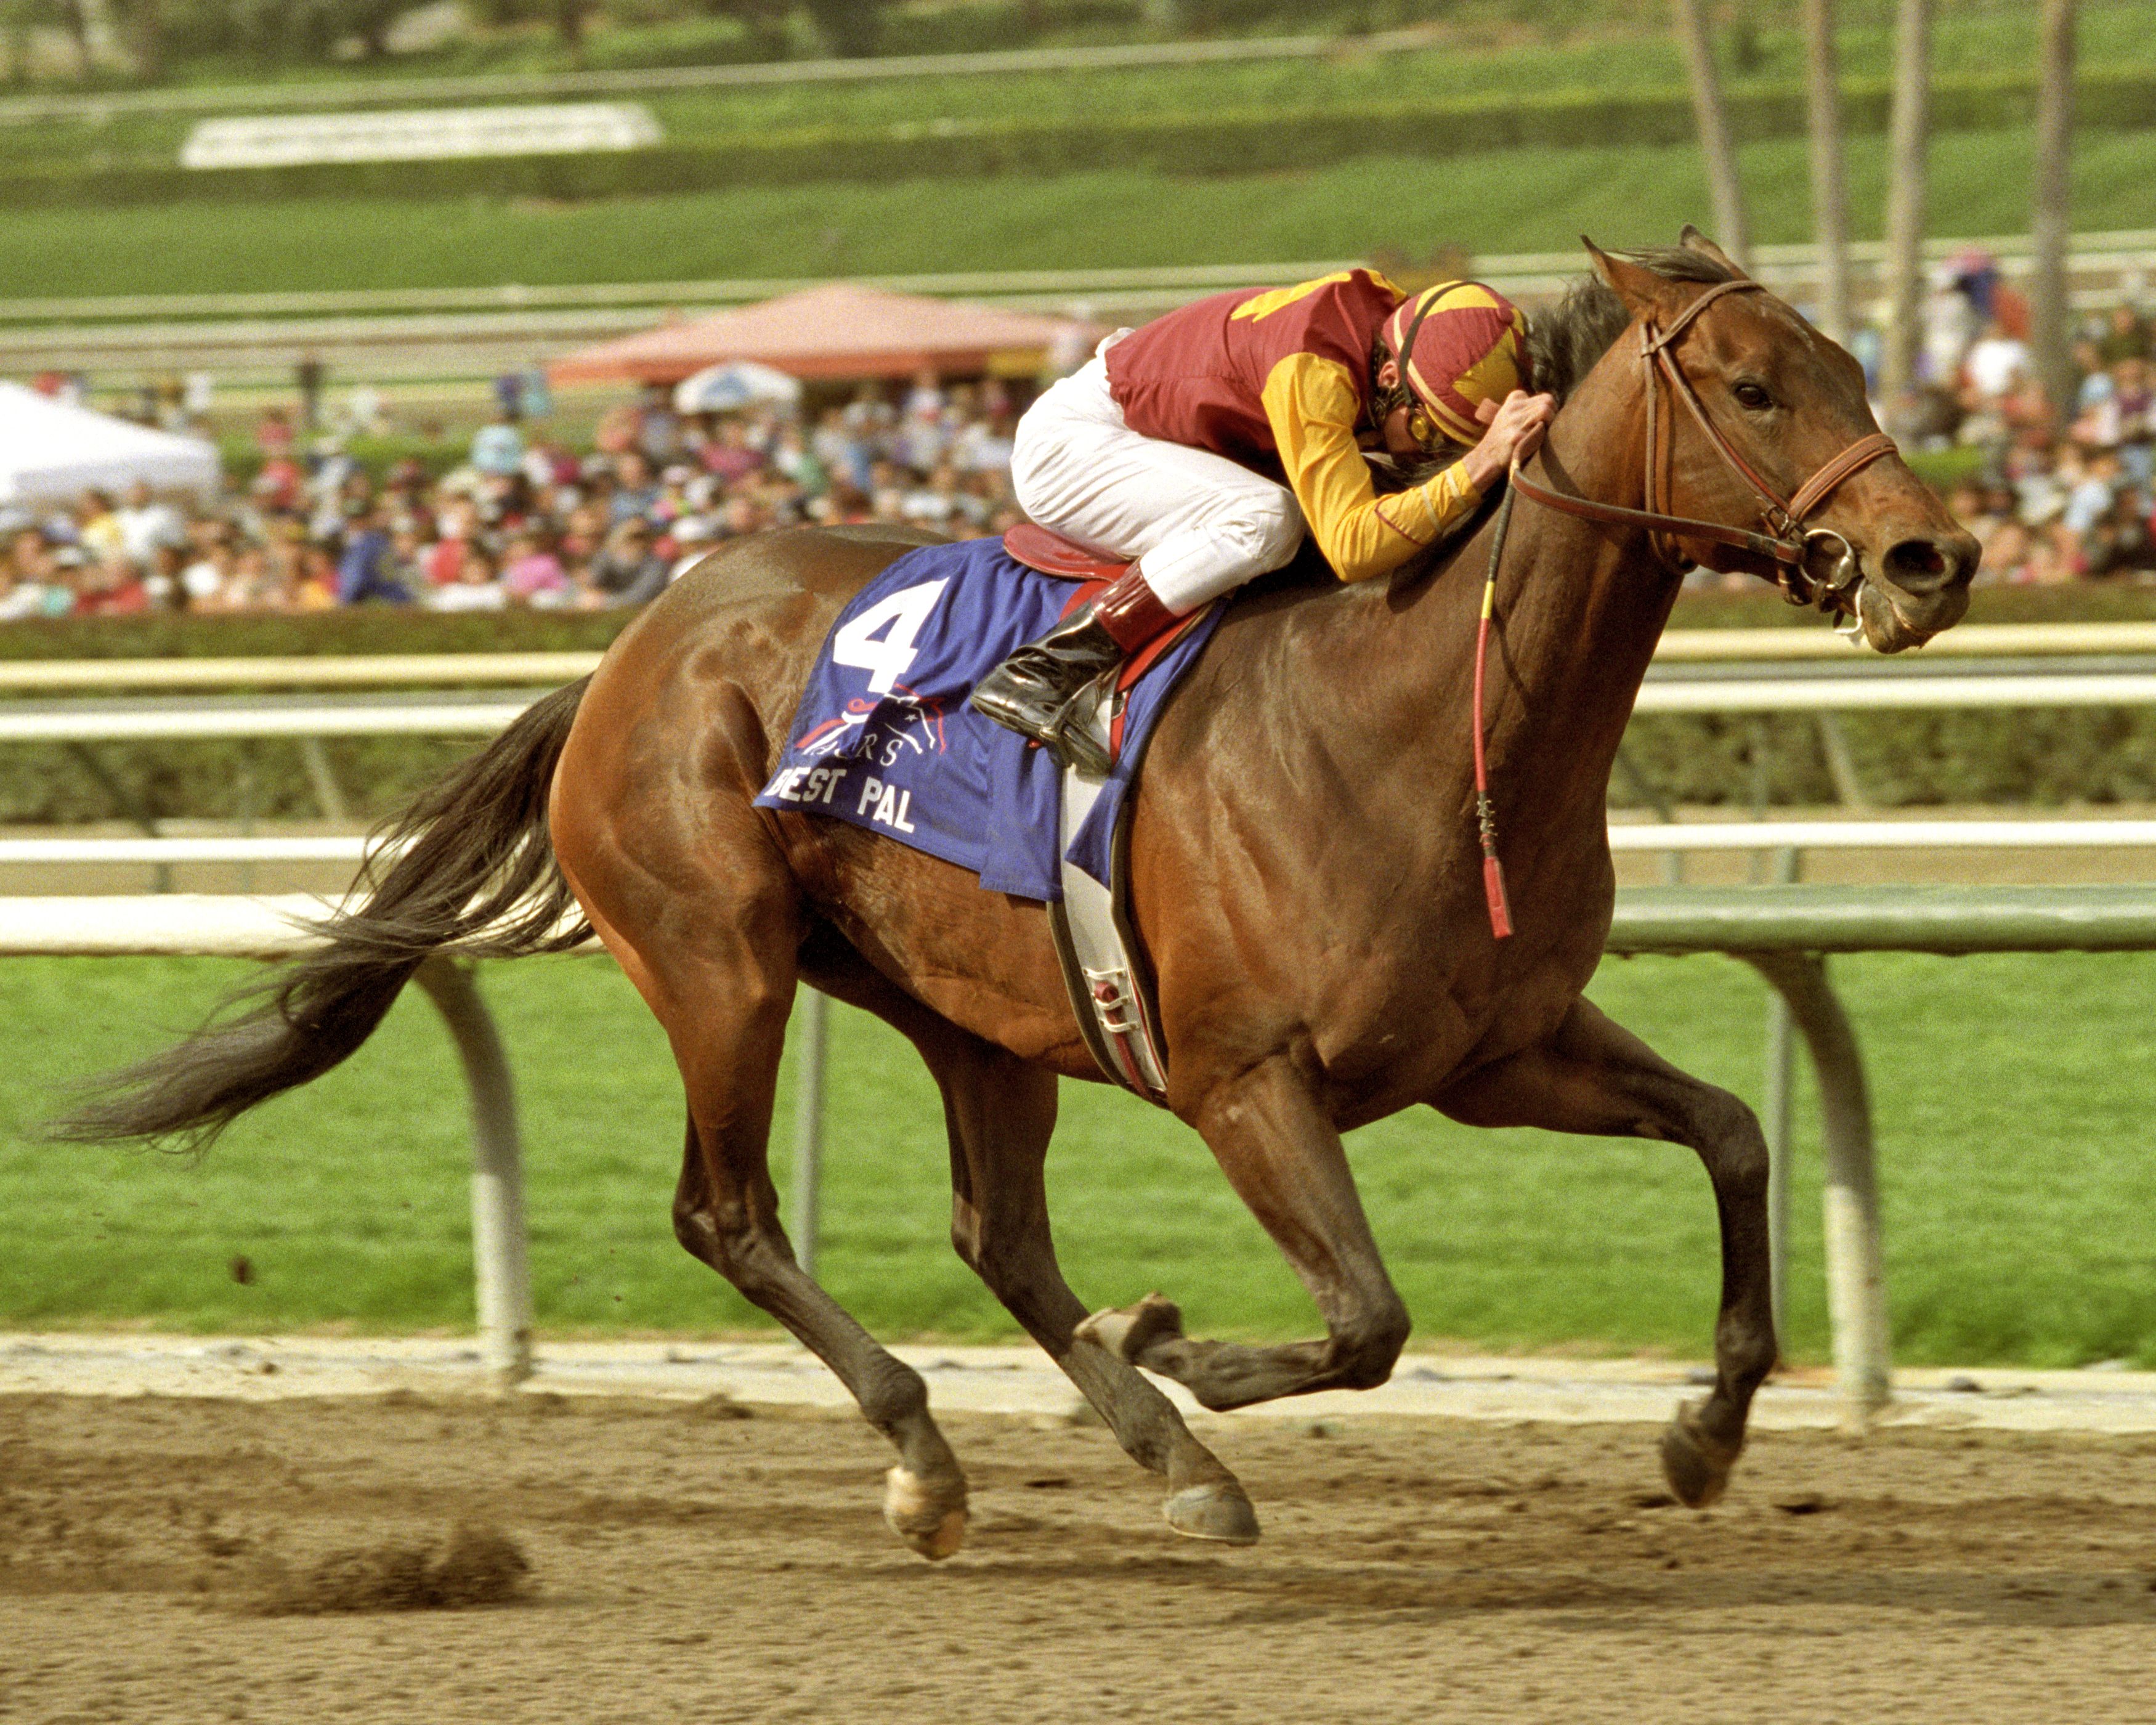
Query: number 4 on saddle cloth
884, 739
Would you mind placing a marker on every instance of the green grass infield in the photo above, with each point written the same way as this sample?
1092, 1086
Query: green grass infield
1619, 58
2012, 1117
1522, 200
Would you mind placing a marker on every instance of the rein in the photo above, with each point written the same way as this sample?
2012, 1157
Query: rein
1788, 543
1486, 816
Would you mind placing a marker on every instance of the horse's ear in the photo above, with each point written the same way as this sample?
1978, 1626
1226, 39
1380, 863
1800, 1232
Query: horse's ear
1638, 287
1692, 240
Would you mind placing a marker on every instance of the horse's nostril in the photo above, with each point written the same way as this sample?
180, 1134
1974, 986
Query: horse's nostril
1920, 565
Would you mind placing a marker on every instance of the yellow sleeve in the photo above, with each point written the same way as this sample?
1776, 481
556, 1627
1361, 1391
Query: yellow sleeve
1312, 405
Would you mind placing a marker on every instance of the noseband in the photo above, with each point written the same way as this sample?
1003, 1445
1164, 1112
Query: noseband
1787, 543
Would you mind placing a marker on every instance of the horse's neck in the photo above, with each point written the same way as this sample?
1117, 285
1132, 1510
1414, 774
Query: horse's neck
1587, 605
1579, 611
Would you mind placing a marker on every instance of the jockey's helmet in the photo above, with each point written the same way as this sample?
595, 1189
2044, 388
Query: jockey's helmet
1457, 344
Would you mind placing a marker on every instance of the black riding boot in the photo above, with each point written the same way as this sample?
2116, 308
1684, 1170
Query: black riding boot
1033, 691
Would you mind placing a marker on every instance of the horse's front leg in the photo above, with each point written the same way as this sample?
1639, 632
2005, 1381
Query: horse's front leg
1281, 1154
1595, 1076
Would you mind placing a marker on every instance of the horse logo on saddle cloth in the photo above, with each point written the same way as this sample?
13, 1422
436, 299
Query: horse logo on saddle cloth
1185, 459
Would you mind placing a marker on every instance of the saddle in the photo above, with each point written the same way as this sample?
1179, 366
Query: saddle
1105, 969
1049, 551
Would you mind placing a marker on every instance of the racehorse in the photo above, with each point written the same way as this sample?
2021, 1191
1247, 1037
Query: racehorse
1306, 866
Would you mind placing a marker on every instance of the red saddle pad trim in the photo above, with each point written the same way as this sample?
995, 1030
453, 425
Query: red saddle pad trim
1052, 554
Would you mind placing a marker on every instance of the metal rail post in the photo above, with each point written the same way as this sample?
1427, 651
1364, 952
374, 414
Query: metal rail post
1775, 1110
1774, 1113
322, 780
498, 1259
1856, 1281
1840, 762
1673, 861
814, 1021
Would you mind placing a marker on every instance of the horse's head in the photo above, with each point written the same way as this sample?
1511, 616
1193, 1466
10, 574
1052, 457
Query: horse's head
1775, 408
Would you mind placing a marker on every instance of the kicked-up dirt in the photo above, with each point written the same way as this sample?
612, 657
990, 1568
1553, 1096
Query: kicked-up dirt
432, 1561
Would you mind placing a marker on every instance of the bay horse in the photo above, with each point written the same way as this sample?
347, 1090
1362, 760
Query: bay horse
1306, 870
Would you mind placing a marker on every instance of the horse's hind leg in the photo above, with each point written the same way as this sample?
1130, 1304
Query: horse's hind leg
1000, 1111
1595, 1076
719, 973
727, 1216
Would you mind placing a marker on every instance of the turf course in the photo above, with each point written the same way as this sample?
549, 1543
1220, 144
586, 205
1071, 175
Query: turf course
2015, 1146
1523, 201
1588, 40
2113, 36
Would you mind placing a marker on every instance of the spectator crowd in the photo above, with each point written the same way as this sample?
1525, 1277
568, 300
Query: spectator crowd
2055, 491
523, 519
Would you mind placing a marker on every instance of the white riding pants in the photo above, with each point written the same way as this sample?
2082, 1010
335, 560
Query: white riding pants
1202, 524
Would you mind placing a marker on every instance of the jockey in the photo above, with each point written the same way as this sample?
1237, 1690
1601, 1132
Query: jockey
1170, 444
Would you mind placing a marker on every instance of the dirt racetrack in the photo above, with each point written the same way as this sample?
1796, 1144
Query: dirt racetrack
169, 1558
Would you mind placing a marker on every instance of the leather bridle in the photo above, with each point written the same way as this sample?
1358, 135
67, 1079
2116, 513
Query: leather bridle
1788, 545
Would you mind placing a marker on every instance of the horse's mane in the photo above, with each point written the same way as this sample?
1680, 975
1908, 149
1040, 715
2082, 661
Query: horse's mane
1564, 342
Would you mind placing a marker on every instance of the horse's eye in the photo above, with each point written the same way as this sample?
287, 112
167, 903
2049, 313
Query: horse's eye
1752, 396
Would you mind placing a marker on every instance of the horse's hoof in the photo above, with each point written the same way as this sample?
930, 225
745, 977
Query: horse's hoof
932, 1520
1695, 1465
1126, 1332
1219, 1510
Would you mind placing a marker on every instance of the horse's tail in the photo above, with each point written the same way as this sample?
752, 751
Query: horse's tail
470, 867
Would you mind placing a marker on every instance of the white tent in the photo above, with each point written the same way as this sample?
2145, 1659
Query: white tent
51, 452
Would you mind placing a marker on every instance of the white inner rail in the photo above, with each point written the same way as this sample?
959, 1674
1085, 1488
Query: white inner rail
1632, 836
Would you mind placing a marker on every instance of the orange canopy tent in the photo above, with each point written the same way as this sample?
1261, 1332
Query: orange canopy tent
836, 330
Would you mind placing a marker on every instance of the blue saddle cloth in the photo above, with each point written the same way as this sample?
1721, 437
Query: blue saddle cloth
884, 739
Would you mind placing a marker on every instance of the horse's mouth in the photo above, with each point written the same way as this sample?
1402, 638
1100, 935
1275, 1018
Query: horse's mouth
1887, 625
